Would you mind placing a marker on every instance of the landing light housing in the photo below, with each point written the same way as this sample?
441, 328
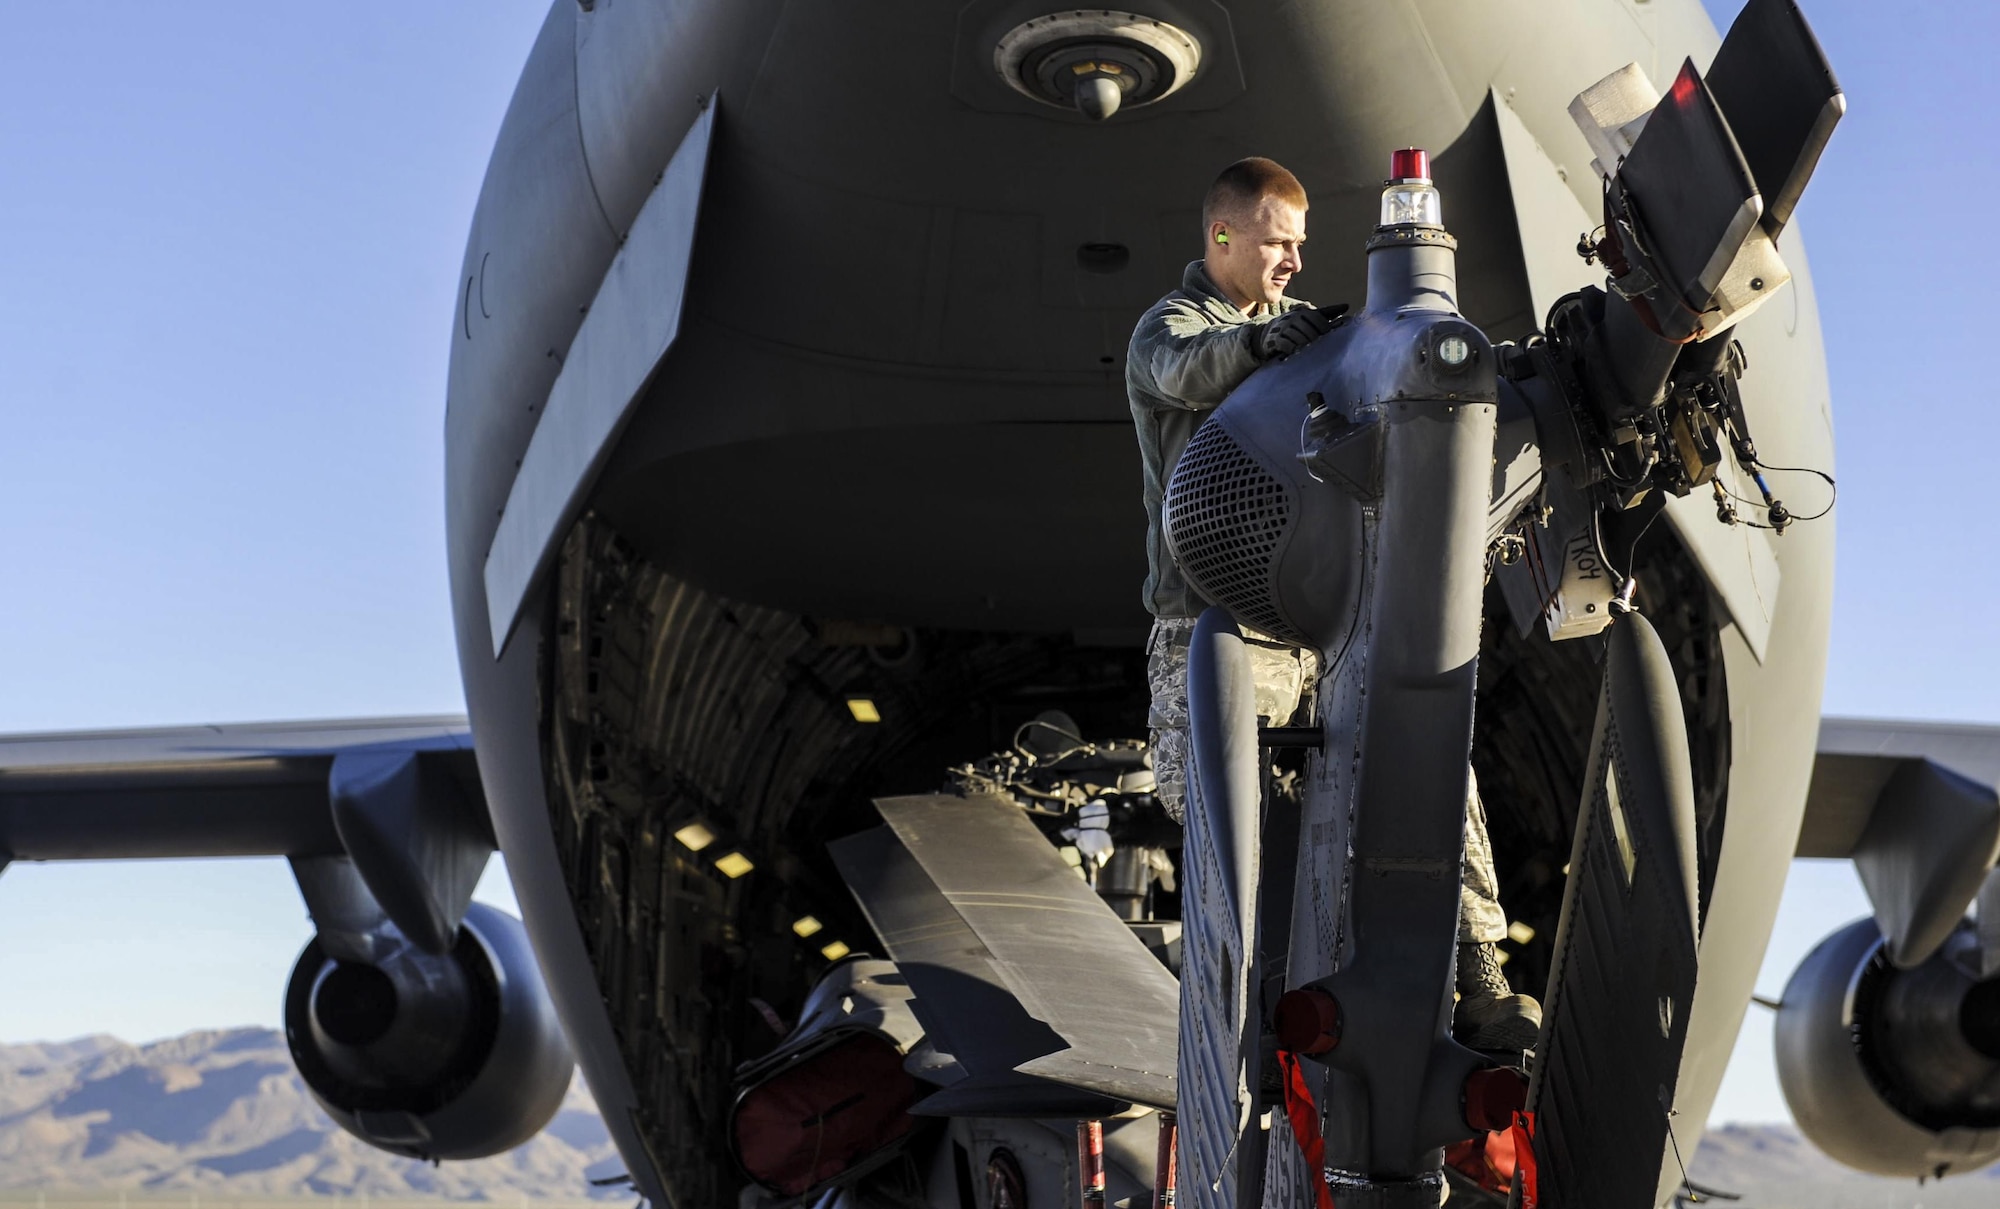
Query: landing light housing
1098, 61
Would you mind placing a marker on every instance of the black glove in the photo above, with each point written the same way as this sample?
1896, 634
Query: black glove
1295, 329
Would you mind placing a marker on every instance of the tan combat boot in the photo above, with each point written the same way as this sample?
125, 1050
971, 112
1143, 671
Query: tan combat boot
1490, 1015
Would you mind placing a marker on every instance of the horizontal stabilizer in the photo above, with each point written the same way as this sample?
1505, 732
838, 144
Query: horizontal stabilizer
976, 1030
1072, 964
1018, 1096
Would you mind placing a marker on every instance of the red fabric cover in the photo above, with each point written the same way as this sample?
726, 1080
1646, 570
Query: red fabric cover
1487, 1160
1304, 1116
810, 1122
1523, 1134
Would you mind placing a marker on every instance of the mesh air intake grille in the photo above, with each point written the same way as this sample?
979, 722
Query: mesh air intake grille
1225, 518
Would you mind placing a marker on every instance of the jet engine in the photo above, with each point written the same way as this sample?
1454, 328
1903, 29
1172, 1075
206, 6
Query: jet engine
455, 1056
1894, 1071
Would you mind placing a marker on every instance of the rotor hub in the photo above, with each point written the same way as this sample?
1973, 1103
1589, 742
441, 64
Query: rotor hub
1096, 62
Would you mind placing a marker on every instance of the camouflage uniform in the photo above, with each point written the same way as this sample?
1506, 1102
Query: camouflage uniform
1188, 352
1283, 675
1480, 918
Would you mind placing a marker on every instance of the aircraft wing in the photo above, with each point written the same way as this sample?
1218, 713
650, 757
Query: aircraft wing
257, 789
399, 796
1858, 756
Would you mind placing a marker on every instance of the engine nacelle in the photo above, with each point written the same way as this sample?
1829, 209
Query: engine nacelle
1893, 1071
453, 1057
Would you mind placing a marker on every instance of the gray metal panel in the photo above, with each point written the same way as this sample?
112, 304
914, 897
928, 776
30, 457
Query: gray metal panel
631, 324
243, 790
1857, 756
1071, 962
1549, 217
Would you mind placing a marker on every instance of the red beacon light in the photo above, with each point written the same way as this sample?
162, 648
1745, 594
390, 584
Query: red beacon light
1409, 199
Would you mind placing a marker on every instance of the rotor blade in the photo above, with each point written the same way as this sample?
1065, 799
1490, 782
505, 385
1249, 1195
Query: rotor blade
964, 1004
1616, 1023
1773, 83
1072, 963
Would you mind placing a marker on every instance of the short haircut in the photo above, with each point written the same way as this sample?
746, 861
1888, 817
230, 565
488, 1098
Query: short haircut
1246, 182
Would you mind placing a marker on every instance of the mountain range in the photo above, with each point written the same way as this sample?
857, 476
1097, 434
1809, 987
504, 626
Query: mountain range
223, 1112
1772, 1167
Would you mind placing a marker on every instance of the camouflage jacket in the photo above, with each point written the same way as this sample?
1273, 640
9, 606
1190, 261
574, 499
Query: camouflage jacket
1189, 351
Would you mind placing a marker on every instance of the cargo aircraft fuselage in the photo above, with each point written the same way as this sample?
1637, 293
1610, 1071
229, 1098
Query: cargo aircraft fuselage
788, 373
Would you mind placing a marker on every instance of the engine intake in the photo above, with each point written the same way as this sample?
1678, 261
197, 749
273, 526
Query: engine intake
1893, 1071
434, 1057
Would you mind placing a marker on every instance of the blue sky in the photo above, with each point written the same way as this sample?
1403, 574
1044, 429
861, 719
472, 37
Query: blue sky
229, 237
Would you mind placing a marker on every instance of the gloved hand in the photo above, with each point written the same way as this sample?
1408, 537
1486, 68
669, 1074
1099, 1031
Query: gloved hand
1293, 330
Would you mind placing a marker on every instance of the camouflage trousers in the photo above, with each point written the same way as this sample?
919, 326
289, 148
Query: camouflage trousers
1283, 674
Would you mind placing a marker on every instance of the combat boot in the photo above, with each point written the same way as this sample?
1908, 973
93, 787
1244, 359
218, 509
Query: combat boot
1490, 1015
